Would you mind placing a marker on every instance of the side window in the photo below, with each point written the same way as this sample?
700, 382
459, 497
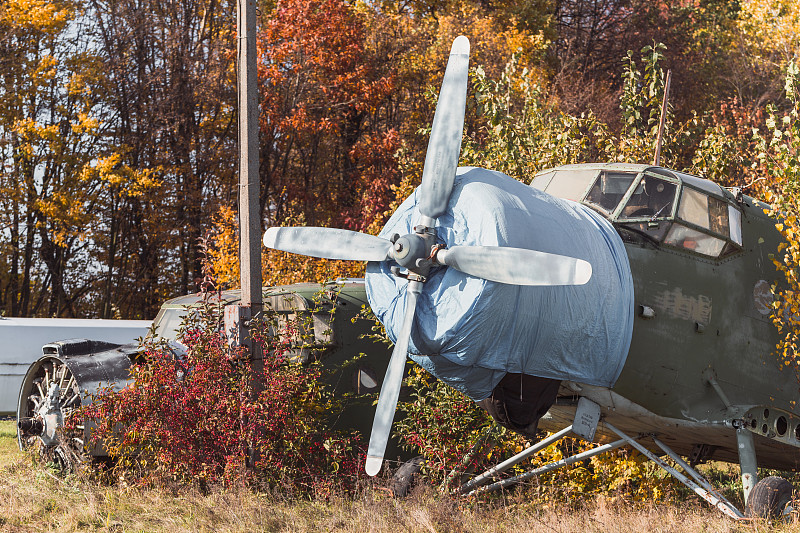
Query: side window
307, 333
721, 220
705, 211
542, 180
696, 241
653, 198
608, 190
168, 322
735, 218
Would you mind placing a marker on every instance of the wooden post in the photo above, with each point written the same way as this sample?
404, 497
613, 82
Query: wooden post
249, 191
249, 186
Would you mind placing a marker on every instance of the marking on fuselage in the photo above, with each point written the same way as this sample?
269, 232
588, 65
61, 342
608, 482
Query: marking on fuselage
677, 305
762, 297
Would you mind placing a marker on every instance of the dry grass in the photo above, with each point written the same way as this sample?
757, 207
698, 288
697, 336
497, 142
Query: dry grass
32, 500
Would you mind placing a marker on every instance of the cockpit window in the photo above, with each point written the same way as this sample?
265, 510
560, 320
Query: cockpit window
169, 321
609, 189
705, 211
654, 205
541, 181
652, 199
718, 223
570, 184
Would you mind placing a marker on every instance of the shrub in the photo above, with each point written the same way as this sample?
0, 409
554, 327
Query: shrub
442, 424
210, 416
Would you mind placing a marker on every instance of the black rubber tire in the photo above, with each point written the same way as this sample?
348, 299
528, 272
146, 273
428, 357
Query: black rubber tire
405, 477
769, 498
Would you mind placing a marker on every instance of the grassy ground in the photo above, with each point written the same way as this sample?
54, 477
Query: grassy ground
33, 500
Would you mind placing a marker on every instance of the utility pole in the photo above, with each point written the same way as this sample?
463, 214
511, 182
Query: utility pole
249, 186
238, 317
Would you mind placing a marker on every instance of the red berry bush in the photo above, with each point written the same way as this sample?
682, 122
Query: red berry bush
207, 415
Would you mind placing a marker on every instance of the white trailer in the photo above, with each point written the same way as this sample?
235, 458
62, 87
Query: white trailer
21, 341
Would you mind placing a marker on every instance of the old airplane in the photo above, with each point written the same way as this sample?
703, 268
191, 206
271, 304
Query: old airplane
627, 304
66, 373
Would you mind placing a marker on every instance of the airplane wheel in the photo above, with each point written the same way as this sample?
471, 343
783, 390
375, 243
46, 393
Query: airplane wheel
406, 477
40, 417
770, 498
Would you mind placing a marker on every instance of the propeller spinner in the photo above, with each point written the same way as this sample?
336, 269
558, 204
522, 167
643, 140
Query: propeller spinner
417, 252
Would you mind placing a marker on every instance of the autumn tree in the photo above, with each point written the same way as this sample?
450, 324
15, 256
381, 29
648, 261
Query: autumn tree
171, 85
53, 123
326, 153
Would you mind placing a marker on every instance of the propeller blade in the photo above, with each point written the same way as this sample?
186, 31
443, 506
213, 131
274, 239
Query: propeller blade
329, 243
390, 390
516, 266
444, 146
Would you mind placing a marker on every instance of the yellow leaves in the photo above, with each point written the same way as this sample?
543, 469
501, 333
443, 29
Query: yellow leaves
40, 16
112, 171
278, 268
771, 26
85, 124
222, 252
65, 215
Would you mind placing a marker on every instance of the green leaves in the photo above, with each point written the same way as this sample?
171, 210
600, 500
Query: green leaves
523, 130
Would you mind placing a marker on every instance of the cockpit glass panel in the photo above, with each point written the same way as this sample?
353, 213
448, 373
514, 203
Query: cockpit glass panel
735, 218
711, 213
694, 207
652, 199
695, 241
542, 180
570, 184
609, 189
718, 216
169, 321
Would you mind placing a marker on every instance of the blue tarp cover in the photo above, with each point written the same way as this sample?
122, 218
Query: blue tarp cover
470, 332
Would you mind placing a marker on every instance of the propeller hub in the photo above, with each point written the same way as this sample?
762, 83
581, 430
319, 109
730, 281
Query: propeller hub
409, 248
400, 251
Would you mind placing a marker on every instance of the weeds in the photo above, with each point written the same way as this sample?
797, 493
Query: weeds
32, 503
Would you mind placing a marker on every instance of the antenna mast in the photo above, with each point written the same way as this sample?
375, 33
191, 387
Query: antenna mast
659, 139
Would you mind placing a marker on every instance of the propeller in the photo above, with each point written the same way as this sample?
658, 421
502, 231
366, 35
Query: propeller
328, 243
516, 266
418, 253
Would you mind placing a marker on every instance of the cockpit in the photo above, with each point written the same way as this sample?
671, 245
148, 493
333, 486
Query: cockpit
663, 206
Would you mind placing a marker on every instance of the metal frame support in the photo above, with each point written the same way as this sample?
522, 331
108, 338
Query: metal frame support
705, 491
711, 378
550, 466
521, 456
697, 483
747, 460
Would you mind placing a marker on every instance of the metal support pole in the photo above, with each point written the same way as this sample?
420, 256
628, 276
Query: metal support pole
521, 456
747, 461
711, 378
714, 499
551, 466
249, 185
662, 120
703, 482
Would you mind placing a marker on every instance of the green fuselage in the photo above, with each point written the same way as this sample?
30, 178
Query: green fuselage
707, 314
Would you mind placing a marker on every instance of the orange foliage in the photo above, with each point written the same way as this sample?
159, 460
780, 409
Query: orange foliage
327, 151
278, 268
